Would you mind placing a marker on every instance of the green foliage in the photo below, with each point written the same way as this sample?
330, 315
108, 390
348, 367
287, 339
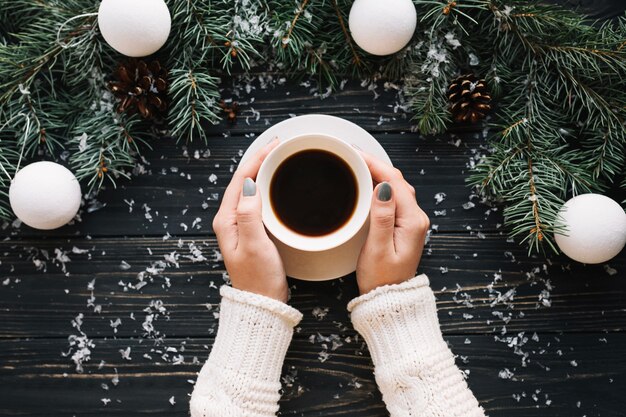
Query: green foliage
436, 58
312, 38
559, 81
561, 112
194, 96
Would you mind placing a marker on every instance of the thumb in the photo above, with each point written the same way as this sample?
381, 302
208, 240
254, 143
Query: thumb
249, 222
382, 217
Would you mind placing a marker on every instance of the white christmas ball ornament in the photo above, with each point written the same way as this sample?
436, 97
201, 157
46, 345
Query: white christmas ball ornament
45, 195
382, 27
134, 28
595, 228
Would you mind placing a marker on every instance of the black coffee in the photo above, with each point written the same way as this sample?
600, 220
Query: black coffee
313, 192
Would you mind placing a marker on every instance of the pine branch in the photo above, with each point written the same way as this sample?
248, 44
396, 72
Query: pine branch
427, 84
356, 58
8, 160
436, 56
195, 101
287, 38
52, 89
560, 83
312, 40
104, 146
539, 228
560, 116
237, 27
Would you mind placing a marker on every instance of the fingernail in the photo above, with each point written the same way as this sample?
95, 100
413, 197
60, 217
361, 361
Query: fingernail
249, 187
274, 139
384, 191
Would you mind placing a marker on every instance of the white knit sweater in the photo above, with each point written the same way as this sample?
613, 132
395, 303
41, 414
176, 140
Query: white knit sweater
414, 367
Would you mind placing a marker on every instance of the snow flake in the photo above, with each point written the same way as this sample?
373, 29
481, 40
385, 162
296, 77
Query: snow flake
505, 374
439, 197
125, 353
452, 41
473, 60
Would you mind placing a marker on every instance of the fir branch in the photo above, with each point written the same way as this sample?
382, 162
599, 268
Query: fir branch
105, 148
605, 153
428, 104
195, 101
103, 143
312, 39
356, 58
9, 157
26, 61
434, 60
439, 14
23, 73
190, 38
495, 172
238, 28
539, 229
287, 38
560, 114
559, 81
427, 84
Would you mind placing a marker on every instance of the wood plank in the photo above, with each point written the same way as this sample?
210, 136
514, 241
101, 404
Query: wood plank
498, 287
177, 188
568, 375
266, 98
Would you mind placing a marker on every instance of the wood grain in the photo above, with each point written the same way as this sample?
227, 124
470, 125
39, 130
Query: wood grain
43, 304
35, 378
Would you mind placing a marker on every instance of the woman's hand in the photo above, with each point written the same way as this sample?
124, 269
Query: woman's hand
398, 228
251, 258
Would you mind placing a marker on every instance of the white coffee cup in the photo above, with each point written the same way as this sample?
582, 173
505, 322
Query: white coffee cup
364, 192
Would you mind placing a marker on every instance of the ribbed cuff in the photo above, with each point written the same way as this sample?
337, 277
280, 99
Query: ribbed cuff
397, 320
253, 335
290, 314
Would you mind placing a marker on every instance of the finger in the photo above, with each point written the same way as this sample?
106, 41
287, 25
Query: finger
249, 169
380, 170
382, 218
403, 191
249, 222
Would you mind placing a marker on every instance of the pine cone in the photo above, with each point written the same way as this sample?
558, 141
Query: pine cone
141, 88
230, 110
469, 98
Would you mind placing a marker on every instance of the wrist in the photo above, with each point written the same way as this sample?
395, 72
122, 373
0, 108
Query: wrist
366, 288
396, 320
266, 288
253, 334
367, 285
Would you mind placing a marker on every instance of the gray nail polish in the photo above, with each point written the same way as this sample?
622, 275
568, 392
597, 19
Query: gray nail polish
249, 187
384, 191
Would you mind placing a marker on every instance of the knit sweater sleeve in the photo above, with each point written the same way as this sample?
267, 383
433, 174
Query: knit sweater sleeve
241, 378
414, 367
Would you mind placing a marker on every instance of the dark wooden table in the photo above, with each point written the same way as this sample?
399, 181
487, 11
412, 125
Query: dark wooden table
131, 291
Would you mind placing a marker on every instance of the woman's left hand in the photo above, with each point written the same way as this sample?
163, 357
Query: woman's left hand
251, 258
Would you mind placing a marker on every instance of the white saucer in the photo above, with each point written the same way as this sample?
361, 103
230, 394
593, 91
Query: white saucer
340, 261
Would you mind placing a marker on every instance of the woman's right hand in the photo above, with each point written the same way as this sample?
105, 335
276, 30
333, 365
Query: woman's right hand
398, 228
251, 258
